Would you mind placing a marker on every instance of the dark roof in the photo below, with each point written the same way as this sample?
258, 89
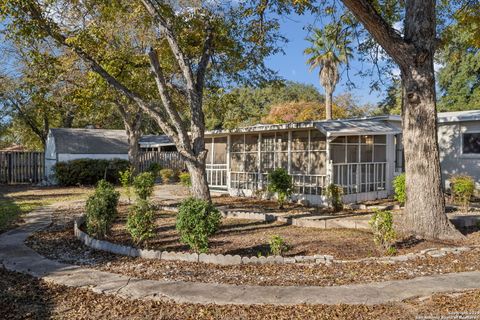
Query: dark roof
155, 140
90, 141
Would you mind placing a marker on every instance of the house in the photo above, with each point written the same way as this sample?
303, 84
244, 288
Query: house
362, 155
65, 144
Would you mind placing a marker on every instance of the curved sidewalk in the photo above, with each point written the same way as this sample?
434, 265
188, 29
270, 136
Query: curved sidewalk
16, 256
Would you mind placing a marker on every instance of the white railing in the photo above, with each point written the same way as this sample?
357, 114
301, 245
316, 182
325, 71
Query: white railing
217, 175
303, 184
360, 177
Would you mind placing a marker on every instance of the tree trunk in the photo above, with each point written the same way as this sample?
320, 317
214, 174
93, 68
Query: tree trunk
134, 149
198, 177
425, 204
328, 104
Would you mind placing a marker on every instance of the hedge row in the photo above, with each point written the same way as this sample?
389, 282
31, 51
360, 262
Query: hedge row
87, 172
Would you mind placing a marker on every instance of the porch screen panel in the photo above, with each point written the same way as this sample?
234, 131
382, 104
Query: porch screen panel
299, 152
220, 150
281, 150
208, 147
268, 152
318, 153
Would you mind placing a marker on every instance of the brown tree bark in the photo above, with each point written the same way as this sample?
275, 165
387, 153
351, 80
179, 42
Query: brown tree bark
413, 53
132, 121
328, 104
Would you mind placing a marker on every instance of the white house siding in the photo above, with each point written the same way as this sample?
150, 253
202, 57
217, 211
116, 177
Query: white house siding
50, 157
452, 160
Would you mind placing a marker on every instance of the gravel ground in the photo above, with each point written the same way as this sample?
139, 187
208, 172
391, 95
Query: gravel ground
23, 297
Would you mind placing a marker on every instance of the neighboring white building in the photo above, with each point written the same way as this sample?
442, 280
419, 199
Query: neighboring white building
65, 144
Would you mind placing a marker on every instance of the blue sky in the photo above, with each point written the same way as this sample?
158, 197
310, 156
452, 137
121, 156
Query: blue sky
292, 65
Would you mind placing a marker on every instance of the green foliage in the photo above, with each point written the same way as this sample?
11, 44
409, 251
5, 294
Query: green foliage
89, 171
463, 188
126, 179
143, 185
384, 234
334, 195
185, 179
154, 168
141, 221
280, 182
278, 246
400, 189
101, 209
167, 175
197, 220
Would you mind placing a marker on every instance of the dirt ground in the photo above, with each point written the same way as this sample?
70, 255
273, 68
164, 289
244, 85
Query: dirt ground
23, 297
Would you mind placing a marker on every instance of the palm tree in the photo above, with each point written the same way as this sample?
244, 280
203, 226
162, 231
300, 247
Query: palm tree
330, 48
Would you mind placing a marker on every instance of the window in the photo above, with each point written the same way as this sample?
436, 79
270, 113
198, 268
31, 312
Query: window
359, 149
471, 143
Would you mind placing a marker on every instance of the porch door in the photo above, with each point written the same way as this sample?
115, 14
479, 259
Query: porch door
216, 163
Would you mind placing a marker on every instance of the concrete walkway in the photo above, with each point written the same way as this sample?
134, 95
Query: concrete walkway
16, 256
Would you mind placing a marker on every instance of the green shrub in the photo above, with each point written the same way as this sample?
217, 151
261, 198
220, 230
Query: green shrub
126, 179
280, 182
154, 168
278, 246
334, 196
197, 220
463, 188
399, 187
141, 221
88, 172
384, 234
143, 185
101, 209
185, 179
167, 175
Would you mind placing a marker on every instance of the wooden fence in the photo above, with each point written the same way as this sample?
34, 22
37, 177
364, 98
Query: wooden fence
22, 167
166, 159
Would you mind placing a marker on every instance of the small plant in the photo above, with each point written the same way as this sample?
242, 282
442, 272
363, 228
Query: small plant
126, 178
280, 182
167, 175
185, 179
154, 168
101, 209
278, 246
334, 194
384, 234
141, 221
143, 185
399, 187
463, 188
197, 220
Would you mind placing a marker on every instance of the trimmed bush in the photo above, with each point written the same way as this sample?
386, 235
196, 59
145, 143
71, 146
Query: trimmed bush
185, 179
399, 187
197, 220
278, 246
280, 182
463, 187
143, 185
334, 196
384, 234
88, 172
167, 175
101, 209
126, 179
141, 221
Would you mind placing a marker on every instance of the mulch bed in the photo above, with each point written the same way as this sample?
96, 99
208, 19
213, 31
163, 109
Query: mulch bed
58, 242
251, 238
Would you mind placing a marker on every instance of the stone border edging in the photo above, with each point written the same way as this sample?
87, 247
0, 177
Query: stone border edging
228, 259
219, 259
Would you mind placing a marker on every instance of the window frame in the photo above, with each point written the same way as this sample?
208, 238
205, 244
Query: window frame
468, 155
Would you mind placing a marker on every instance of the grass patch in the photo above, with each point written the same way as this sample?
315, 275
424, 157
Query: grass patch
17, 201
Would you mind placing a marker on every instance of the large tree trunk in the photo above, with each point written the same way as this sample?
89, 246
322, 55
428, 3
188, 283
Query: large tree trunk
328, 103
198, 178
413, 53
425, 204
